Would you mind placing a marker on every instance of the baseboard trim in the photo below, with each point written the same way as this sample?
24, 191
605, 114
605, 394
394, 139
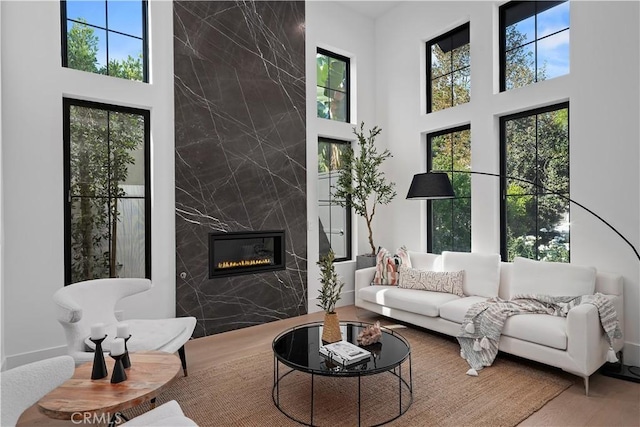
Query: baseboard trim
33, 356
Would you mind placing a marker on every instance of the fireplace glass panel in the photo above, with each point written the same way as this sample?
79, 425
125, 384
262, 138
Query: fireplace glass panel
244, 253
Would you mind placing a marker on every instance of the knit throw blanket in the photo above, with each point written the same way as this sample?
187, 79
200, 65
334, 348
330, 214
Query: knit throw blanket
482, 326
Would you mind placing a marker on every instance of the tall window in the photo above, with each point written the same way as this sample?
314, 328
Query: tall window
534, 42
448, 70
334, 222
333, 89
449, 220
105, 37
107, 206
535, 148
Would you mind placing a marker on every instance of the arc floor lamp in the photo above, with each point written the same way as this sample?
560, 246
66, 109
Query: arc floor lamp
436, 185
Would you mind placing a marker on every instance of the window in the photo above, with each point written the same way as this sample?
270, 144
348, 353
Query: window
449, 220
334, 222
535, 219
332, 86
534, 42
107, 206
448, 70
105, 37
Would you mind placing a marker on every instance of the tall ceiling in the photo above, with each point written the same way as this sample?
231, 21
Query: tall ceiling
370, 8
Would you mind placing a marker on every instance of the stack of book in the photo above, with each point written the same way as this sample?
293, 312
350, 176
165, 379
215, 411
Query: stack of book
344, 353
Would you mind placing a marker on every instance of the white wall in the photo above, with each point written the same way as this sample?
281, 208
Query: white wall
388, 68
2, 300
33, 85
334, 27
602, 89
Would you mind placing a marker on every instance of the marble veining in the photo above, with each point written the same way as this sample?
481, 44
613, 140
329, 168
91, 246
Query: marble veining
240, 154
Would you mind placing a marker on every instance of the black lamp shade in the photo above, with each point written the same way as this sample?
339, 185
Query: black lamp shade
431, 185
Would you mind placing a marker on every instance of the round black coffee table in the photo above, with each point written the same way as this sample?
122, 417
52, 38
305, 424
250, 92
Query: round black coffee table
298, 349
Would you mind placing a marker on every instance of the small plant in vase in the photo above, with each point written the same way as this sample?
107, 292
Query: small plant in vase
329, 295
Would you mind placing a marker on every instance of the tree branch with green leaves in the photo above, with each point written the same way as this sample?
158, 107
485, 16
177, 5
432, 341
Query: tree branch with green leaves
361, 183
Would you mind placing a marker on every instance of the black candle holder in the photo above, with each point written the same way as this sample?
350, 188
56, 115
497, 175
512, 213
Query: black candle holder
118, 374
99, 370
126, 361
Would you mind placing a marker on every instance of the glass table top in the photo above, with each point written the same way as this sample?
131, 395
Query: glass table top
298, 348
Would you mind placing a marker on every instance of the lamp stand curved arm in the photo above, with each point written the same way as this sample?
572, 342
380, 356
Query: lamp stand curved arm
555, 194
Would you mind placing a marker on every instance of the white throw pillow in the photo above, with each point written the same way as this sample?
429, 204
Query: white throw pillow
425, 261
557, 279
481, 271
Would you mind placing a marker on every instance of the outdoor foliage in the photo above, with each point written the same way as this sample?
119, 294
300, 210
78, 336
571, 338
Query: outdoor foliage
330, 156
451, 219
102, 144
450, 74
361, 183
329, 293
331, 88
82, 54
534, 216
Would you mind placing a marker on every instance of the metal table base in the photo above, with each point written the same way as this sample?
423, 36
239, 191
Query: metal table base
397, 371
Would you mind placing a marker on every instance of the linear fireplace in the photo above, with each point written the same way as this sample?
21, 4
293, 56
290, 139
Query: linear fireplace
245, 253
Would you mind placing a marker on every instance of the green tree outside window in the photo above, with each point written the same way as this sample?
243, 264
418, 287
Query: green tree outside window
106, 151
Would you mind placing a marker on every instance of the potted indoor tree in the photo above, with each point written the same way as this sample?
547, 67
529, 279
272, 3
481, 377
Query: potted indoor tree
362, 185
329, 295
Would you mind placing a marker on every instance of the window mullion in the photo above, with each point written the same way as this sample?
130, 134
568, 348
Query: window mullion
106, 33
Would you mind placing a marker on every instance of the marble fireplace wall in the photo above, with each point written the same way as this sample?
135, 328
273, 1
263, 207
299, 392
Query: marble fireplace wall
240, 154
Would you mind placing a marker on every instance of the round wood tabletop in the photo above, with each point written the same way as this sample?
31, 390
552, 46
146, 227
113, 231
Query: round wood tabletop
150, 373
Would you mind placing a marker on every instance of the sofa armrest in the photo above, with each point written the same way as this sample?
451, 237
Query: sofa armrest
586, 343
584, 338
364, 277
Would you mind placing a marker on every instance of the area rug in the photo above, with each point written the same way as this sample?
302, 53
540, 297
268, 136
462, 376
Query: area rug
238, 392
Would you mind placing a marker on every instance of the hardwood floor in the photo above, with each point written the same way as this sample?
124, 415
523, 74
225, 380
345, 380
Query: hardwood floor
611, 402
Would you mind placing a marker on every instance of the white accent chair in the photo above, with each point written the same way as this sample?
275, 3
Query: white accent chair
23, 386
166, 415
84, 304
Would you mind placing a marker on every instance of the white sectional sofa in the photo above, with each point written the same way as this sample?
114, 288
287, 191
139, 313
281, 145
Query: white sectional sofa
575, 344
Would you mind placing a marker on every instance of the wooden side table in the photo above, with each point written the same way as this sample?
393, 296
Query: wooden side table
80, 397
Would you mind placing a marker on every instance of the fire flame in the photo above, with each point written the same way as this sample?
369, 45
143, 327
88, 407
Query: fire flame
244, 263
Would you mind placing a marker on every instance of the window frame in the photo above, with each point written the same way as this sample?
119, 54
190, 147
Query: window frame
428, 45
503, 40
429, 137
503, 170
347, 93
144, 38
348, 211
66, 130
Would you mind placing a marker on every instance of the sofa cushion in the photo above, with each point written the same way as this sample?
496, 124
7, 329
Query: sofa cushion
387, 265
481, 271
543, 329
551, 278
437, 281
457, 309
427, 303
425, 261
